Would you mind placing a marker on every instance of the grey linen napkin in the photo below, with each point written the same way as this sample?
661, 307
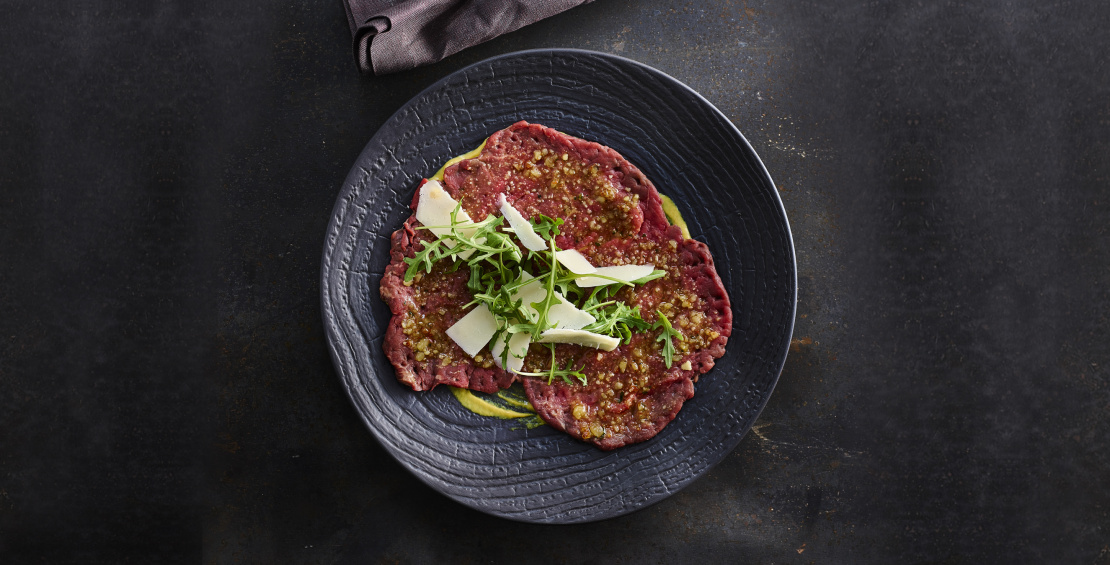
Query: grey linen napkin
395, 35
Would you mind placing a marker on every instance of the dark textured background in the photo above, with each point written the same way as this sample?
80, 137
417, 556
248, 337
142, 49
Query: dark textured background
166, 175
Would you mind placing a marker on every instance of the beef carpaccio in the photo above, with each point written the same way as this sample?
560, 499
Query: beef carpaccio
613, 215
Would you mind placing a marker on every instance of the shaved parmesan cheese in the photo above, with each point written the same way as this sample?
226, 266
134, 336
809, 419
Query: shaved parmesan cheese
626, 273
435, 206
566, 316
580, 337
474, 330
563, 315
521, 227
434, 209
575, 262
518, 349
529, 294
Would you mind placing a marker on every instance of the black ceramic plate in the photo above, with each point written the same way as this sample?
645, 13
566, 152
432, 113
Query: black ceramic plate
692, 153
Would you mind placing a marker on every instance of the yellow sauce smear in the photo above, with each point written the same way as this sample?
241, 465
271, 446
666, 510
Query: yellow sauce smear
674, 216
463, 157
513, 401
483, 407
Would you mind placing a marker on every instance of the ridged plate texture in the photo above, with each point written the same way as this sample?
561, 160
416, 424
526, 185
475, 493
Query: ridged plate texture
692, 153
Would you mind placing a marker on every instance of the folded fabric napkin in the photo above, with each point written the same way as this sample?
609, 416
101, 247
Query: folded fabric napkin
395, 35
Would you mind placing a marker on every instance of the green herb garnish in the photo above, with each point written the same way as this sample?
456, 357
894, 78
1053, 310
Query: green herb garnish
549, 299
656, 274
484, 246
615, 319
666, 337
496, 266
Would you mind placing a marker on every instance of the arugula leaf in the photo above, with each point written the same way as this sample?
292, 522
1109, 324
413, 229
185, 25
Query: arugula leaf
475, 282
549, 299
547, 227
616, 319
666, 337
431, 253
656, 274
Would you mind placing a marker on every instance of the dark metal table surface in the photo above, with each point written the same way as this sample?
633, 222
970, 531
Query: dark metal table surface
166, 395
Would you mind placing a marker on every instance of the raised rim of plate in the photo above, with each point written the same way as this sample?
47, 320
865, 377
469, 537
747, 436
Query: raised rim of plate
334, 335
